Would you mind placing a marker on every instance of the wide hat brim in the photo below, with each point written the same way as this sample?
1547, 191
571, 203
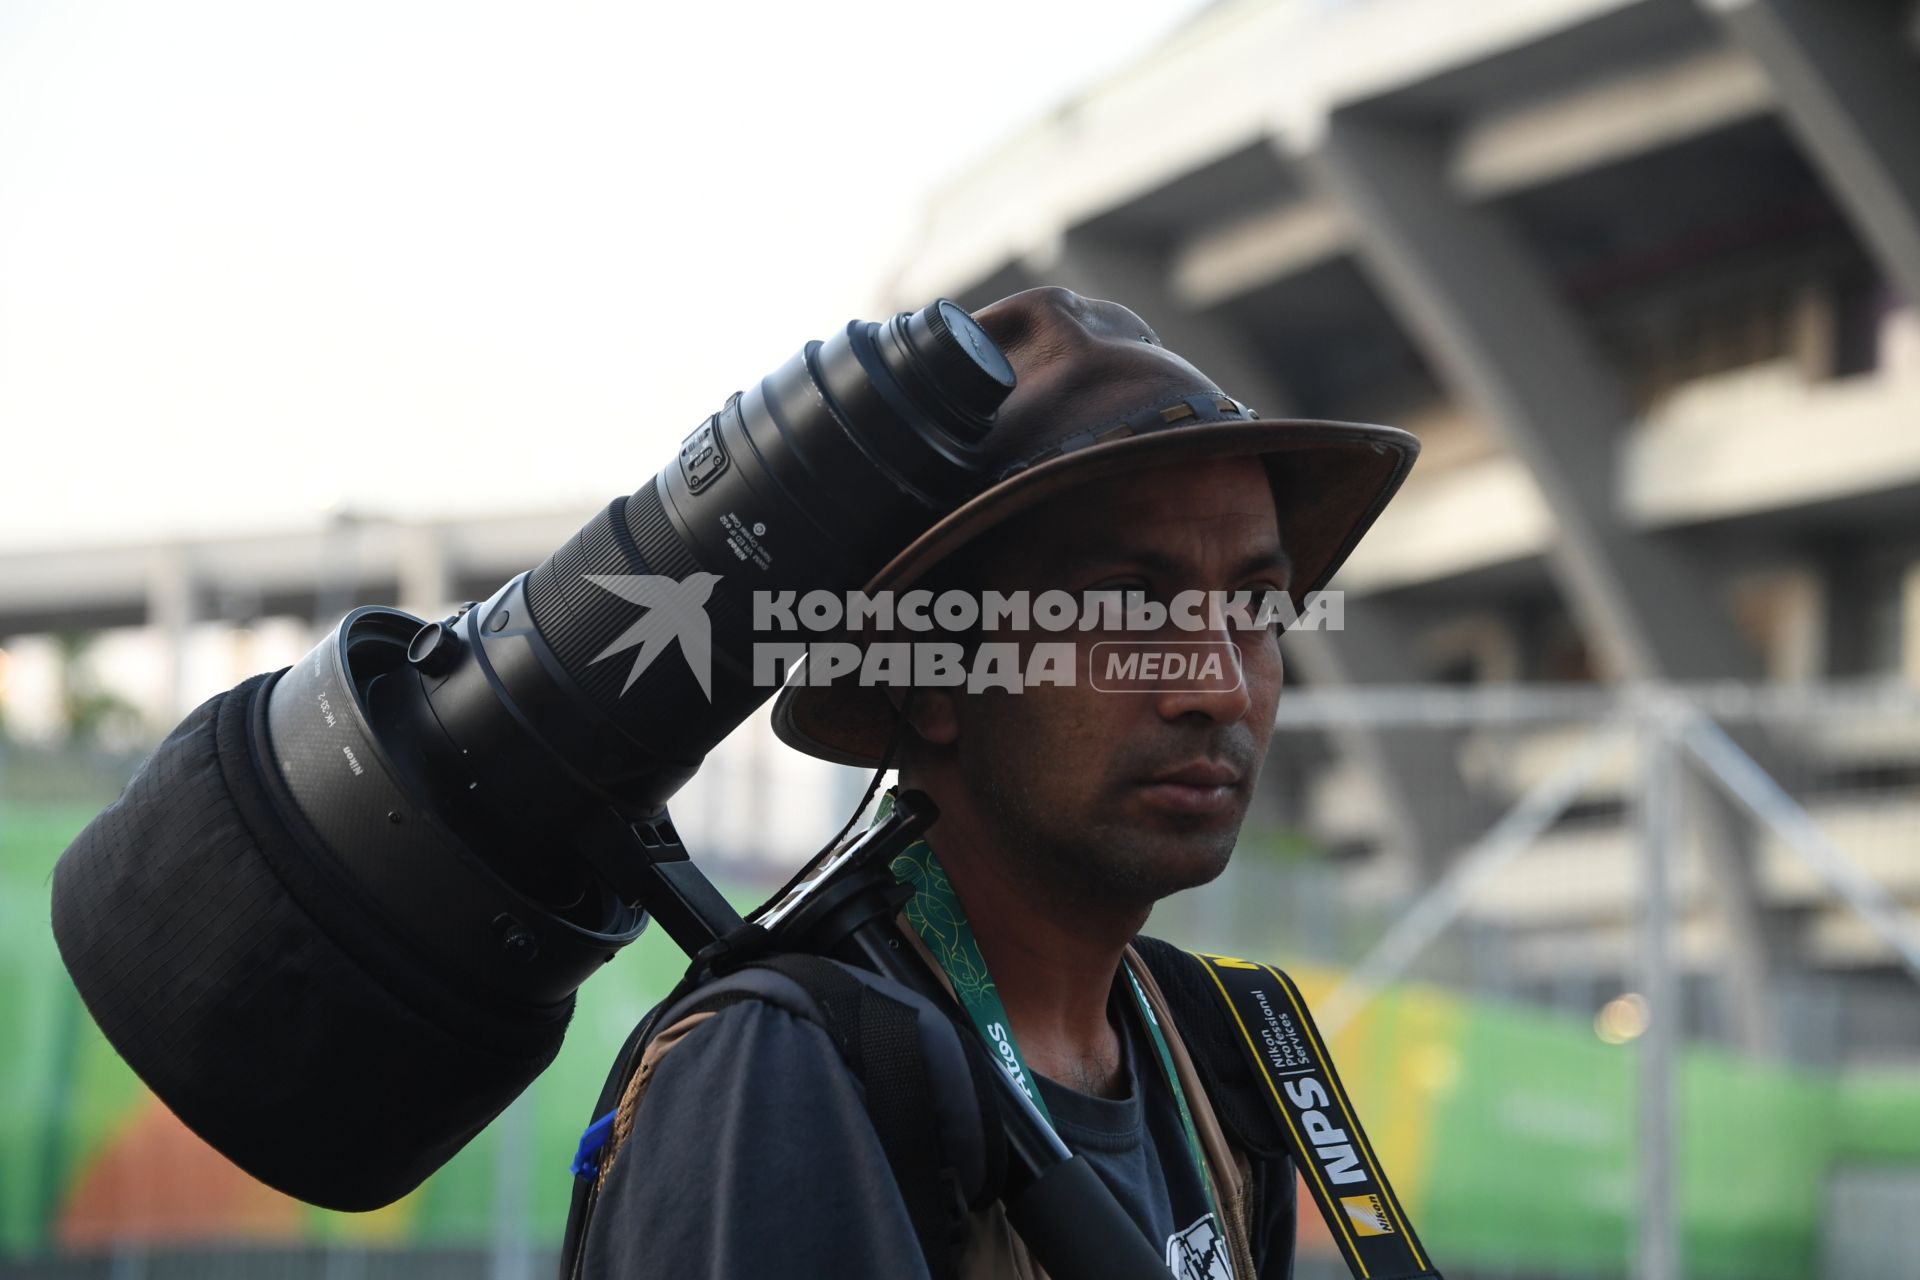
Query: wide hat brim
1330, 482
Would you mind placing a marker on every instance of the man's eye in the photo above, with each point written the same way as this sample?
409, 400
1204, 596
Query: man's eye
1132, 592
1120, 601
1258, 594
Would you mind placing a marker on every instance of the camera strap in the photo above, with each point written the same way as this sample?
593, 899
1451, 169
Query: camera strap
1301, 1088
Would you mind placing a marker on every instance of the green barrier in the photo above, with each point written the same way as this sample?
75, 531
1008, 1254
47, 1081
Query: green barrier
1877, 1120
1508, 1131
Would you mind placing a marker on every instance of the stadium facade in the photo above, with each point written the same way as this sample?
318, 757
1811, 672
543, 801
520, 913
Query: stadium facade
1640, 275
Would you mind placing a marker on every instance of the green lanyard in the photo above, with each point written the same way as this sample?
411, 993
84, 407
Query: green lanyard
935, 914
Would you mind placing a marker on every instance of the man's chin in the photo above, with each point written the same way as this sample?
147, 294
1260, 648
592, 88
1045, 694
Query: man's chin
1162, 859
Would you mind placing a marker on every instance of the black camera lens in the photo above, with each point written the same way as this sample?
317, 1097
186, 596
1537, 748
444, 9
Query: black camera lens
812, 478
502, 764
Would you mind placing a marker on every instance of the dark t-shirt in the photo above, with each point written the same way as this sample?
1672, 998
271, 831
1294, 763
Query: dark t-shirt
753, 1157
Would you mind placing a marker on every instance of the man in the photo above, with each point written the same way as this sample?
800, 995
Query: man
304, 1025
1067, 810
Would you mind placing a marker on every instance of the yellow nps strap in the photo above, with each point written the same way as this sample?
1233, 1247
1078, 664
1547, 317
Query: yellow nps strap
1335, 1158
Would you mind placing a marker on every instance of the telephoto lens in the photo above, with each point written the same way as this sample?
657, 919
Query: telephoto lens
480, 779
812, 479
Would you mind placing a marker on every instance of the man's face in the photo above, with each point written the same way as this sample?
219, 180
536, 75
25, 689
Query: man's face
1131, 794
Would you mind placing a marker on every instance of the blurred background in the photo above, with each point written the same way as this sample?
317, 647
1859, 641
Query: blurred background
1595, 835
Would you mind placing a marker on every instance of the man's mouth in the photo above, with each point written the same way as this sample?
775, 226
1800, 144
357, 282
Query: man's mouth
1203, 787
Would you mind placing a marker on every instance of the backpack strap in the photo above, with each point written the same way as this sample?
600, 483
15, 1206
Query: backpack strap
1236, 1189
586, 1190
925, 1093
1237, 1095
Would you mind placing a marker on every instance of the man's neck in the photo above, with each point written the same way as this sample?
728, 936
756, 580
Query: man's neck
1053, 957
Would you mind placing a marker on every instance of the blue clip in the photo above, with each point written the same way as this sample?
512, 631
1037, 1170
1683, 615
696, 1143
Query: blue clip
586, 1161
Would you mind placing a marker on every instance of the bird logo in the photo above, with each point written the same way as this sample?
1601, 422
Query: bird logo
674, 610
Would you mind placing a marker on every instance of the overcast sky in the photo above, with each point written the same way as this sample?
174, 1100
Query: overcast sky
257, 259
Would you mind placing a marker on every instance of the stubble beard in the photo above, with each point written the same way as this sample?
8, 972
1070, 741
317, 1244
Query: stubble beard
1105, 862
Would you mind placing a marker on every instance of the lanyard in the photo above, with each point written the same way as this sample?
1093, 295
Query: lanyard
935, 914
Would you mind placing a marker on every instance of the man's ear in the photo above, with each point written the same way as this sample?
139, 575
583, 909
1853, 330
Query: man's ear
930, 713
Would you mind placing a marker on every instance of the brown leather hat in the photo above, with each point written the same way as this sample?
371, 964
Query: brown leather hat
1097, 394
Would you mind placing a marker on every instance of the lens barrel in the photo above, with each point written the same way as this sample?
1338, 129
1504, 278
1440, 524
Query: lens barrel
811, 479
495, 783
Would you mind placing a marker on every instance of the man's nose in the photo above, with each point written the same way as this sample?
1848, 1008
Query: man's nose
1212, 683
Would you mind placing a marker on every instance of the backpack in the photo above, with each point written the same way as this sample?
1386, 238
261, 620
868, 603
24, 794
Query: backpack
927, 1088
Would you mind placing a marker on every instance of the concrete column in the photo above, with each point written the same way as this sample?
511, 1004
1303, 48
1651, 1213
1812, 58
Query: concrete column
172, 609
1498, 334
1847, 81
1851, 587
1432, 813
1656, 1223
337, 584
426, 585
1431, 810
1910, 624
1750, 946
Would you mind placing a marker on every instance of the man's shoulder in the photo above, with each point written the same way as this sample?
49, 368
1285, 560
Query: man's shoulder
748, 1037
807, 1019
770, 1014
752, 1146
